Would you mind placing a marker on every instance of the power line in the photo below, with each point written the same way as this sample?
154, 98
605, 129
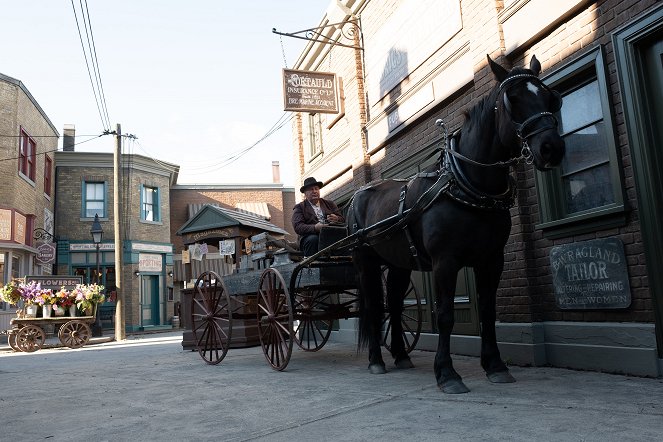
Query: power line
94, 137
97, 97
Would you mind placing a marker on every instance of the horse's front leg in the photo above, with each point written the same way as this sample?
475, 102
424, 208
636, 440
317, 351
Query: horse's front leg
488, 278
448, 380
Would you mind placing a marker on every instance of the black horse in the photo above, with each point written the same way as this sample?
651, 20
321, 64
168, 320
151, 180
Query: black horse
454, 215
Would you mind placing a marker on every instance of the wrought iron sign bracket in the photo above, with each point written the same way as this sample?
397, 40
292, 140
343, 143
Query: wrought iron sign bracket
315, 34
40, 233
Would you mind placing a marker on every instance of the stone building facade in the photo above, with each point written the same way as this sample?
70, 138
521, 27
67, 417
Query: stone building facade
415, 62
85, 188
28, 141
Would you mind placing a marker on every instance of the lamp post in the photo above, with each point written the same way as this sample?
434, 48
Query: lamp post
97, 233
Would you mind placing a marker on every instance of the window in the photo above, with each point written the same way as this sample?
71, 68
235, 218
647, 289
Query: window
585, 193
149, 204
27, 155
94, 199
314, 135
48, 174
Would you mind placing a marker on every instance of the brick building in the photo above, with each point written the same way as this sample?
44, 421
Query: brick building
27, 142
84, 183
414, 62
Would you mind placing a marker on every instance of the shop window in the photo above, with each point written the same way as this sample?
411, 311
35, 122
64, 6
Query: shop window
149, 204
27, 155
94, 199
585, 193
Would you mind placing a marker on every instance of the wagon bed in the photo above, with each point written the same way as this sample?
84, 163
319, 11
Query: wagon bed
28, 334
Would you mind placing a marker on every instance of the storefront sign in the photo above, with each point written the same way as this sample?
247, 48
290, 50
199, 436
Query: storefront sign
149, 262
91, 246
19, 228
46, 253
152, 247
55, 282
209, 234
590, 275
310, 91
5, 225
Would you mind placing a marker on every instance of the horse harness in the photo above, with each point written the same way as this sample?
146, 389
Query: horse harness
452, 182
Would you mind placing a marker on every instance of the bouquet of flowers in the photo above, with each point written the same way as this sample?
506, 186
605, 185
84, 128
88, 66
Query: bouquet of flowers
10, 293
88, 295
63, 300
44, 297
29, 292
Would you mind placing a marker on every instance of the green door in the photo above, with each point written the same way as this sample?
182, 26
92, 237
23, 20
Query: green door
149, 300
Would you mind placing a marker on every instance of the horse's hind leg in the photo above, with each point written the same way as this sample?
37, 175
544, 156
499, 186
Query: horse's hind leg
398, 281
488, 278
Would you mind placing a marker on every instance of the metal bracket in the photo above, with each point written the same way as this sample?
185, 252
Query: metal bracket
315, 34
40, 233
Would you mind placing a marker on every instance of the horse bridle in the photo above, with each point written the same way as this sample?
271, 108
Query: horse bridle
525, 152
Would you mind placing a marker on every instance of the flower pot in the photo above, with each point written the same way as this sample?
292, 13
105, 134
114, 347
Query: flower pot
31, 311
58, 311
72, 310
47, 310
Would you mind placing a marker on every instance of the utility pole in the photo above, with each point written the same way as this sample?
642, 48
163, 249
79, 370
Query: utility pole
120, 327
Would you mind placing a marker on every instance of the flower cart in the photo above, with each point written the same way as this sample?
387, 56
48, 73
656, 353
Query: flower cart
69, 311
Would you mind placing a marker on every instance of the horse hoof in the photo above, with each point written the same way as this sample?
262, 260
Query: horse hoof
501, 377
404, 364
453, 386
377, 369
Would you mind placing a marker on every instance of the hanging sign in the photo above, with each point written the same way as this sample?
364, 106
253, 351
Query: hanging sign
310, 91
226, 247
46, 253
590, 275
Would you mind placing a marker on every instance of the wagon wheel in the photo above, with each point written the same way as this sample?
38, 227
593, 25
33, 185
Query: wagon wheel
275, 319
410, 319
74, 334
211, 318
30, 338
312, 329
11, 340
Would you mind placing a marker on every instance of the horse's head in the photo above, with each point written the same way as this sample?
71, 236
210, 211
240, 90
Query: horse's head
525, 109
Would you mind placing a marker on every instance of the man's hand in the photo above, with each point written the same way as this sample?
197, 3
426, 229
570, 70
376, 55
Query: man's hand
318, 227
333, 218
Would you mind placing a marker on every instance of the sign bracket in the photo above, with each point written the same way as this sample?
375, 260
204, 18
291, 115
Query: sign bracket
316, 34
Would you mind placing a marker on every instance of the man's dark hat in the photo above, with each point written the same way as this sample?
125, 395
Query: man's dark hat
310, 181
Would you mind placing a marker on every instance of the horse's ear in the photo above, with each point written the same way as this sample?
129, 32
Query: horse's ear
535, 66
499, 71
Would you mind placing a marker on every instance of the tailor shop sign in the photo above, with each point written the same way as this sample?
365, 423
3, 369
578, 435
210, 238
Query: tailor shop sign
310, 91
590, 275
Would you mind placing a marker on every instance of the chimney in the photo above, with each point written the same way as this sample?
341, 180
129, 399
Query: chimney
276, 173
68, 137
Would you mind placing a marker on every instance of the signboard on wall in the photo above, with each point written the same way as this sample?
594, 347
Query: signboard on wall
55, 282
46, 253
149, 262
590, 275
5, 225
20, 222
310, 91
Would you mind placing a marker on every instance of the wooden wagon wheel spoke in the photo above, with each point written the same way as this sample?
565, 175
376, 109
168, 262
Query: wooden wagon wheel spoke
211, 318
274, 319
74, 334
30, 338
314, 329
412, 314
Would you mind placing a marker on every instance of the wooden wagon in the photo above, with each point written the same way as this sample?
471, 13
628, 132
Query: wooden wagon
294, 300
29, 334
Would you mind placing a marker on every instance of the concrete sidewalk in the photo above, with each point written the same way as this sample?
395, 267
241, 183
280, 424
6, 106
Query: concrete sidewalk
148, 388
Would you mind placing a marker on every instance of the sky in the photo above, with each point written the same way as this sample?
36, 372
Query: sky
195, 81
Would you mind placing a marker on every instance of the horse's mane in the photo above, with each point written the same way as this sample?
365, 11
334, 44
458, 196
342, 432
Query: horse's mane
481, 112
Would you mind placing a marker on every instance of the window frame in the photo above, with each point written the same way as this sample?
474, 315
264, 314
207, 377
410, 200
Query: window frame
156, 204
314, 135
27, 155
553, 221
84, 200
48, 176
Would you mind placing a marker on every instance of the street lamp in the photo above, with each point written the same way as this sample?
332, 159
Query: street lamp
97, 233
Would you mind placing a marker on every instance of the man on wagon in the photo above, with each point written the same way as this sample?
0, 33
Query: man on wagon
309, 216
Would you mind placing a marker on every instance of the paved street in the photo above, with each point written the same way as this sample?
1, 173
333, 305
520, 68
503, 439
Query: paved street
147, 388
